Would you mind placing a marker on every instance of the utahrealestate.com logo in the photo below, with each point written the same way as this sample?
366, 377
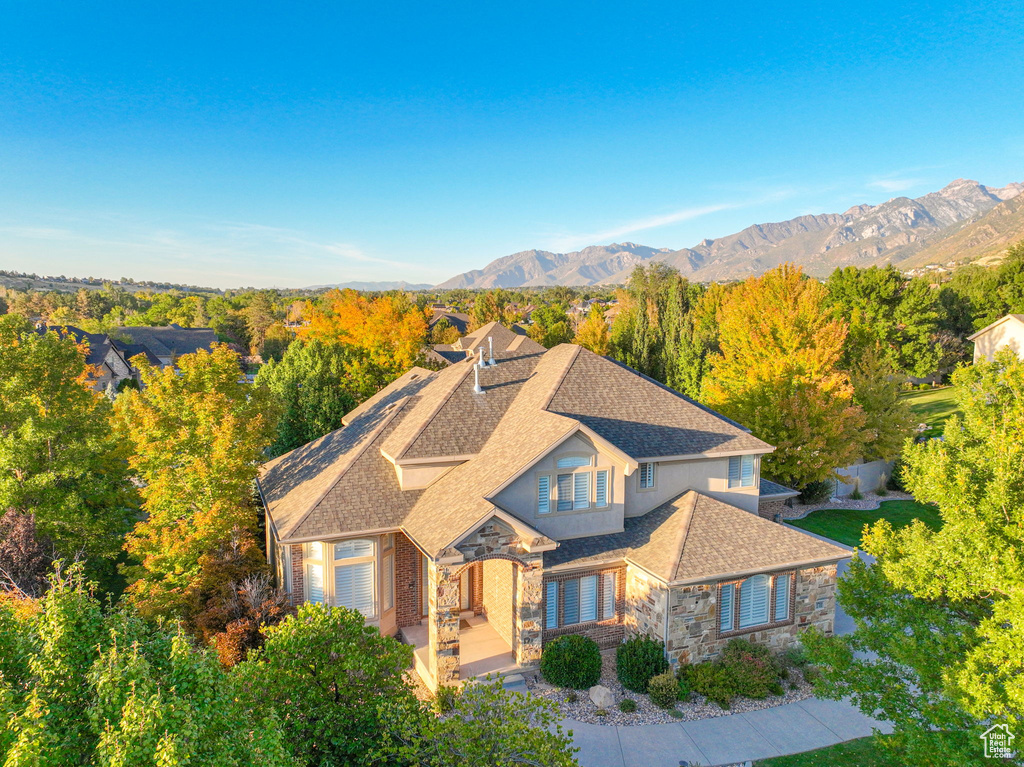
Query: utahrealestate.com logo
997, 739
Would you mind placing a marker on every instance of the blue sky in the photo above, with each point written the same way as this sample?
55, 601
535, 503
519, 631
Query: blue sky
307, 143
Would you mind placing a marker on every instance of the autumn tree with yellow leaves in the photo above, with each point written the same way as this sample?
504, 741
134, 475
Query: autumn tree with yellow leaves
777, 374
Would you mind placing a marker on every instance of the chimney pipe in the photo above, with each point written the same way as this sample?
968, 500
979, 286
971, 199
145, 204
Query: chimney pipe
490, 345
476, 377
480, 362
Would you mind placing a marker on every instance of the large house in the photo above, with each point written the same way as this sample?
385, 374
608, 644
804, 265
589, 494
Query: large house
1006, 332
481, 511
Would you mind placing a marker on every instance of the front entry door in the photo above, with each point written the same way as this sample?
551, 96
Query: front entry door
466, 589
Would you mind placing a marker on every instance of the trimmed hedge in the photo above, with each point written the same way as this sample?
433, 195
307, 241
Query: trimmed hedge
638, 661
571, 661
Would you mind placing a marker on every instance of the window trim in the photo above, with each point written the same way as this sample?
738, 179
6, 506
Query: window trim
329, 563
773, 620
554, 497
640, 476
558, 584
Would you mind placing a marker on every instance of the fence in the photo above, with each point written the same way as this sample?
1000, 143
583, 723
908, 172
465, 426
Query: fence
868, 475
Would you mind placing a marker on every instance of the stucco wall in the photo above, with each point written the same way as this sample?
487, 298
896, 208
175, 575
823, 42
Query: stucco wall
1009, 334
706, 475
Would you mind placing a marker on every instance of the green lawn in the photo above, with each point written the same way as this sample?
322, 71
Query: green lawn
932, 407
846, 525
854, 753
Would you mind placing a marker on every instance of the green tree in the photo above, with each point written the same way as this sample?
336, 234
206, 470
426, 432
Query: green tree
312, 381
59, 460
550, 326
330, 678
940, 615
777, 373
198, 436
888, 419
487, 726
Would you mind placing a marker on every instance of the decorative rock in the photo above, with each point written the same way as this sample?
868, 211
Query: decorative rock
601, 696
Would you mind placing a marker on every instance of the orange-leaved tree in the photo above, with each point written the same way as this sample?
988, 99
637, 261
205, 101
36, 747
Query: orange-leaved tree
777, 374
198, 436
389, 332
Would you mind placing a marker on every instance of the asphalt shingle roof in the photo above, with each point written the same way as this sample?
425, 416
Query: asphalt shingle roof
695, 537
769, 488
170, 340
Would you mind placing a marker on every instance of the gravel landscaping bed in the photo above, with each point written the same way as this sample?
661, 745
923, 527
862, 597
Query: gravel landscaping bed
584, 710
869, 502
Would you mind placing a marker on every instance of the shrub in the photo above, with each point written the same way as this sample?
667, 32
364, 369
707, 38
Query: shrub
895, 482
638, 661
816, 492
856, 495
882, 489
664, 690
445, 699
714, 681
627, 706
572, 697
795, 656
683, 688
755, 670
571, 661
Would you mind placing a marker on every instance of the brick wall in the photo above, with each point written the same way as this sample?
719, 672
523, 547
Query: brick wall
769, 509
408, 589
499, 595
478, 589
298, 593
607, 633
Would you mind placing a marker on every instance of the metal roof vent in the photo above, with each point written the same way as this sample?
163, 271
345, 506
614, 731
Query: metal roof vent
476, 376
490, 345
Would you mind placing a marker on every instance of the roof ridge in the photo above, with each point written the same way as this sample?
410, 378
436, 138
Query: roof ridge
561, 379
433, 414
684, 532
350, 461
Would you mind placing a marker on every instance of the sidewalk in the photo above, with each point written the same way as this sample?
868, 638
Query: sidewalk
788, 729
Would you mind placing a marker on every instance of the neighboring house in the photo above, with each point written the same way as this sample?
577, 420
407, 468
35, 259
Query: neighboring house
481, 512
169, 342
109, 358
457, 320
1007, 332
493, 335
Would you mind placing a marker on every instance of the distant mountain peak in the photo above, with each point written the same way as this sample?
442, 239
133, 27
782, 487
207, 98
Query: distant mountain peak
890, 232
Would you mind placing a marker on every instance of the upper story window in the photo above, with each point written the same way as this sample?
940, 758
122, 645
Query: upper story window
754, 602
576, 486
741, 471
646, 472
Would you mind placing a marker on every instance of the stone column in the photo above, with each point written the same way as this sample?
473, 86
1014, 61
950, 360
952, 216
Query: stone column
443, 622
529, 617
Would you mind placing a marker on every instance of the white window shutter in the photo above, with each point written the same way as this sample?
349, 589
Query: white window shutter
601, 491
725, 607
734, 471
754, 601
315, 586
570, 602
573, 462
588, 598
581, 491
357, 547
388, 585
608, 598
747, 471
551, 605
565, 492
543, 494
782, 597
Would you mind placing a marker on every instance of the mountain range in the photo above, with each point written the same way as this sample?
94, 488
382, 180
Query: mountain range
371, 286
961, 222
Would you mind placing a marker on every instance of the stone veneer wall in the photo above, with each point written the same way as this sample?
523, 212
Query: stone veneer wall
407, 582
646, 598
298, 593
499, 595
693, 629
608, 632
768, 509
493, 540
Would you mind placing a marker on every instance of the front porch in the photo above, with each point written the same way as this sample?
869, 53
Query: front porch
482, 651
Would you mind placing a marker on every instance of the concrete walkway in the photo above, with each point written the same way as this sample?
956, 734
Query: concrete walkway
788, 729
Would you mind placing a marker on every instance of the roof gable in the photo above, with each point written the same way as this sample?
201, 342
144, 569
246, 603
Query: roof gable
1015, 318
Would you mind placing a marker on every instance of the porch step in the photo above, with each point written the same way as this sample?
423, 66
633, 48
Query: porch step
514, 683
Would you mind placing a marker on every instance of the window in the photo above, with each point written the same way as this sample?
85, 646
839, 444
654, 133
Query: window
388, 586
543, 494
551, 605
564, 485
573, 462
354, 585
757, 601
581, 490
741, 471
314, 572
725, 607
608, 598
580, 601
601, 492
646, 471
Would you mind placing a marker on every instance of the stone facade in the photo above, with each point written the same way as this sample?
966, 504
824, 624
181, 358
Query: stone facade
693, 623
492, 541
646, 599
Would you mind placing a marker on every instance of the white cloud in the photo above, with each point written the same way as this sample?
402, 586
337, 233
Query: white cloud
893, 185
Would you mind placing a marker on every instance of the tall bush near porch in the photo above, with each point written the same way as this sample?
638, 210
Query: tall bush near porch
198, 439
777, 374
